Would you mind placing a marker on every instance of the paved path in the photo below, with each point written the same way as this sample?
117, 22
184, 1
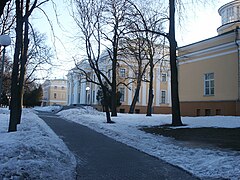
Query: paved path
101, 158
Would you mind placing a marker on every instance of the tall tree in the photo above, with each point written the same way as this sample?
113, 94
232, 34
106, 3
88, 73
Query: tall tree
115, 15
88, 18
170, 35
2, 6
134, 56
176, 116
39, 56
23, 11
7, 19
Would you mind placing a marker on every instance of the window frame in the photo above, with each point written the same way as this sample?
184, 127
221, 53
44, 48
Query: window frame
122, 72
122, 89
165, 97
164, 77
209, 84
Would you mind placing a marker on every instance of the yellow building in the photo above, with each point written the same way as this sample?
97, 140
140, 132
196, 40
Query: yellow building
209, 70
54, 92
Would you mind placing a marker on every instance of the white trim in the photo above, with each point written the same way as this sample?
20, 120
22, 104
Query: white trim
158, 86
130, 90
144, 93
169, 101
208, 50
208, 57
57, 101
206, 41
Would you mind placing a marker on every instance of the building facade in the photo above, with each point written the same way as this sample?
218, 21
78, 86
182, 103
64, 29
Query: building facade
209, 70
54, 92
82, 92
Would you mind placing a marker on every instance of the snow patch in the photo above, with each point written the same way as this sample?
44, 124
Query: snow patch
34, 151
202, 162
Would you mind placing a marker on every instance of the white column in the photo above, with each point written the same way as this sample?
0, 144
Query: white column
70, 91
130, 91
96, 90
75, 90
144, 93
83, 93
68, 88
169, 89
158, 86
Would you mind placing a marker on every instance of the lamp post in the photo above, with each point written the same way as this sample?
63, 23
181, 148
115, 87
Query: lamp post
87, 96
5, 41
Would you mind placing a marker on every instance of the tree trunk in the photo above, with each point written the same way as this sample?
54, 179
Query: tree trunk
114, 73
176, 116
2, 5
114, 91
14, 104
150, 91
105, 104
150, 101
23, 62
135, 98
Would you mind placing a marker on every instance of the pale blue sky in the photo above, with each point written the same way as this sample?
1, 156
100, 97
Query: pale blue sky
200, 23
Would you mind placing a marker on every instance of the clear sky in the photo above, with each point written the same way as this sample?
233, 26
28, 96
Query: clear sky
199, 23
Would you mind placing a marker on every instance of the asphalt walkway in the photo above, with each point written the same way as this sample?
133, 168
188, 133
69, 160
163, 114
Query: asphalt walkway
102, 158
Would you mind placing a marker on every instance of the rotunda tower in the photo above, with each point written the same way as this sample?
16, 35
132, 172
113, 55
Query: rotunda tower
230, 14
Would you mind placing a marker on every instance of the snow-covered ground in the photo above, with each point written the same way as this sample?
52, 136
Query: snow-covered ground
202, 162
48, 108
34, 151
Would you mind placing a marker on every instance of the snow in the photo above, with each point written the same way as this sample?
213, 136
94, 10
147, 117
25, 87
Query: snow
202, 162
34, 151
48, 108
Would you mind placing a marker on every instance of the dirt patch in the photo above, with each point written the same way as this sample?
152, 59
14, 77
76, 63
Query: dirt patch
227, 138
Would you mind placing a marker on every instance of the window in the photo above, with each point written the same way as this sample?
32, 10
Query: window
163, 97
137, 111
230, 14
55, 87
209, 84
122, 72
207, 112
62, 87
218, 112
122, 91
198, 112
164, 77
122, 110
55, 95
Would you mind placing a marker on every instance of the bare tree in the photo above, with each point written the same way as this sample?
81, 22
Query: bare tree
7, 19
134, 51
2, 6
24, 10
88, 19
176, 116
115, 15
39, 56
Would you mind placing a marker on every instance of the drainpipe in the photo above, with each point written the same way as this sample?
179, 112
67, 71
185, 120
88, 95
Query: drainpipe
238, 56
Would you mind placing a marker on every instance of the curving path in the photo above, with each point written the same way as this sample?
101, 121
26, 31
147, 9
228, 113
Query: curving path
102, 158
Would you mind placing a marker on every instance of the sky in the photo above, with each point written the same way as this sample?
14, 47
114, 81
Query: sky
199, 23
